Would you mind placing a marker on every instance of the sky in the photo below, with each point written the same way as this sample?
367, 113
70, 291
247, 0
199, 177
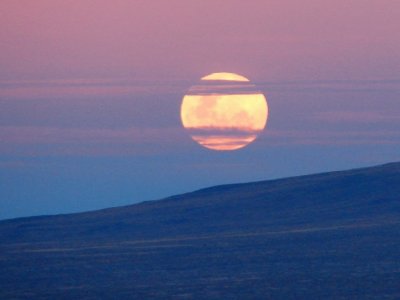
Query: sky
90, 93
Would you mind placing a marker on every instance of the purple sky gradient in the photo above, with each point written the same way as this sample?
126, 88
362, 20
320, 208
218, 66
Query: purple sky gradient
90, 93
266, 40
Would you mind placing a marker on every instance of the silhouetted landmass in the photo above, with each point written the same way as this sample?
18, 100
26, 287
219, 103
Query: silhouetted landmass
324, 236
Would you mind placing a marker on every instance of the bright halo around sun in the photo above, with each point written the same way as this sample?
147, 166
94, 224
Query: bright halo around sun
224, 111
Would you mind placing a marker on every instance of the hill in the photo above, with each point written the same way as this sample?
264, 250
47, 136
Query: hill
333, 236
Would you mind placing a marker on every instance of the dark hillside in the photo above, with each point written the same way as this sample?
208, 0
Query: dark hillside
334, 235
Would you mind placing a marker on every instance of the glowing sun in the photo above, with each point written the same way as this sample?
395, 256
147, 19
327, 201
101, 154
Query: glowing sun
224, 111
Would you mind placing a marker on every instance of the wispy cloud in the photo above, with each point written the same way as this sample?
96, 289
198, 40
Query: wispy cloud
314, 137
330, 85
43, 141
356, 117
27, 140
67, 88
86, 87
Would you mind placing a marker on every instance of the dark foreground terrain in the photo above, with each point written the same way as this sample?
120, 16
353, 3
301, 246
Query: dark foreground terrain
324, 236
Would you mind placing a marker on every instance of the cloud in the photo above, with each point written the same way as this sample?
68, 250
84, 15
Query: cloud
14, 164
356, 117
39, 141
330, 138
338, 86
73, 88
52, 141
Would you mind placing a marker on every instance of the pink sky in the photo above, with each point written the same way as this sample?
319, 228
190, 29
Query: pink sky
266, 40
